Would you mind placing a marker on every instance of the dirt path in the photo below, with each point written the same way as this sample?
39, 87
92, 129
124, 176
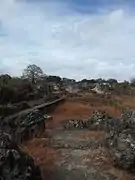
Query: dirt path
73, 154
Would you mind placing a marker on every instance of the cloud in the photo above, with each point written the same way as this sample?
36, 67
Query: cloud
67, 42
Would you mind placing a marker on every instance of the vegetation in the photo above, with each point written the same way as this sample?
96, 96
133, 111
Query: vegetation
32, 73
35, 84
4, 79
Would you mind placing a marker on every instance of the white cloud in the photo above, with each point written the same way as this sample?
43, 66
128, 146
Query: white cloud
68, 44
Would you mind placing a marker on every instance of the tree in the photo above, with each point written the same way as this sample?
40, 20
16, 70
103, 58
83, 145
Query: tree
84, 80
6, 94
33, 73
100, 80
125, 85
4, 79
112, 81
55, 79
67, 81
90, 81
132, 81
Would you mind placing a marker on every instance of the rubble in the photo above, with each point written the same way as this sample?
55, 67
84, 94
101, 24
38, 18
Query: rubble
30, 125
121, 141
120, 135
26, 126
122, 149
32, 118
100, 120
128, 118
14, 164
75, 124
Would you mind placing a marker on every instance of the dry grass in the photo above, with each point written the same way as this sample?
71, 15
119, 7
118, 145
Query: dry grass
72, 109
92, 135
100, 159
45, 157
80, 108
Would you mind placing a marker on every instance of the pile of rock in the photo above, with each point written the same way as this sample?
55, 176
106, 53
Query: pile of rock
121, 141
100, 120
30, 125
14, 164
128, 118
25, 126
122, 149
34, 117
120, 135
75, 124
97, 121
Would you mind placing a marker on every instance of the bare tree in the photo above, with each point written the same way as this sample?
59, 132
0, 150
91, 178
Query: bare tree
33, 73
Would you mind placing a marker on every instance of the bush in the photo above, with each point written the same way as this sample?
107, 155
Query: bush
6, 94
22, 105
7, 110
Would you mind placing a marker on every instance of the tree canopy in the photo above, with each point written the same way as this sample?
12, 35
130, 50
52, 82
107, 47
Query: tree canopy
55, 79
112, 81
32, 73
4, 79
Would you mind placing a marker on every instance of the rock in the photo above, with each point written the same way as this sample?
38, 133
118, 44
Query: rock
48, 117
30, 125
120, 135
97, 122
31, 118
100, 121
128, 117
75, 124
14, 164
121, 141
26, 126
123, 149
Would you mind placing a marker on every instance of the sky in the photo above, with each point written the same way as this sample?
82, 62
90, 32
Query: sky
70, 38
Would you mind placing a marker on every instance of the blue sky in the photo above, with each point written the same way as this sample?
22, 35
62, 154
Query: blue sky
74, 38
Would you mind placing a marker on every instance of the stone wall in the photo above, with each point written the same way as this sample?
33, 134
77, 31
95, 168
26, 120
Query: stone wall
14, 164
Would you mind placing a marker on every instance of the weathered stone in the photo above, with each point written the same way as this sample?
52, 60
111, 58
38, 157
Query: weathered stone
123, 149
26, 126
128, 117
121, 141
29, 125
101, 121
75, 124
31, 118
14, 164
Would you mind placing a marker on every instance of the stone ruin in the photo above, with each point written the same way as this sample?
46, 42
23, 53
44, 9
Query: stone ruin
74, 124
14, 164
30, 125
121, 141
120, 135
26, 126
